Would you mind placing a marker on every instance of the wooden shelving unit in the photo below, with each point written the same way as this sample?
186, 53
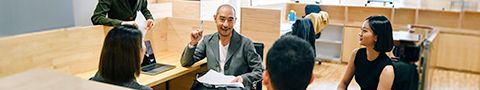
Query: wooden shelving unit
470, 20
351, 18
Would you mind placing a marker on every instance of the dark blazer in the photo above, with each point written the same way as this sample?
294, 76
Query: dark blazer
118, 11
303, 28
131, 84
242, 58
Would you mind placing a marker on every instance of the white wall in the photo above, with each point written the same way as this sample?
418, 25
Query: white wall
83, 10
4, 8
25, 16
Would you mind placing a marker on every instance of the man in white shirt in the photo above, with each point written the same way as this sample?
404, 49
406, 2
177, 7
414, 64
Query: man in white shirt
227, 51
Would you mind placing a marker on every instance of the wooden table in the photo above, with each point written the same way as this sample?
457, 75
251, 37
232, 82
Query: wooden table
44, 79
149, 80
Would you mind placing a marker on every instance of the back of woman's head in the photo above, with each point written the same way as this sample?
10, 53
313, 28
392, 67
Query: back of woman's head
120, 56
382, 28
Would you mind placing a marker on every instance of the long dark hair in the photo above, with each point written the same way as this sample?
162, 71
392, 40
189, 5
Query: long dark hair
120, 56
382, 28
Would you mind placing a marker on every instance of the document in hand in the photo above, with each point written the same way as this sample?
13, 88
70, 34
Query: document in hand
218, 80
141, 23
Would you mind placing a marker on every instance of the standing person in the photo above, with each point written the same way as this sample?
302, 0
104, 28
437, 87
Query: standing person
371, 66
121, 56
227, 51
121, 12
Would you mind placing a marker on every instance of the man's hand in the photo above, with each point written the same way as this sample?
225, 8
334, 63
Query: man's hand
238, 79
195, 36
150, 24
129, 23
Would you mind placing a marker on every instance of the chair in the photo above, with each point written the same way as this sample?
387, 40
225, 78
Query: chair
259, 49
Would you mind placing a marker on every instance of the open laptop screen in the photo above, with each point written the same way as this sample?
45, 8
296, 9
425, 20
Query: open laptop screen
148, 58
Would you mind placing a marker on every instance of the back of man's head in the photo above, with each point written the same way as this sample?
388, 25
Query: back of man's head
290, 63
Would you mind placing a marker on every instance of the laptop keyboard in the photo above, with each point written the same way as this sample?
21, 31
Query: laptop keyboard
149, 67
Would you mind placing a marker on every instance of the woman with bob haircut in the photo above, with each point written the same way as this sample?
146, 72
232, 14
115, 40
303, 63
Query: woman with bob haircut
371, 66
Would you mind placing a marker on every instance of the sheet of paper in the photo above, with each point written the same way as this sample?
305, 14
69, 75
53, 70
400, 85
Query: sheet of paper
219, 80
141, 23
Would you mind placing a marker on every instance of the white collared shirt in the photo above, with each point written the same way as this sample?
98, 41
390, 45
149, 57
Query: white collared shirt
223, 50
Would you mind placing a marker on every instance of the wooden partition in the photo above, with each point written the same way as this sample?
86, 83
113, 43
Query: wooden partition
471, 20
76, 51
350, 42
437, 18
403, 16
458, 51
186, 9
261, 25
336, 13
174, 35
71, 50
356, 15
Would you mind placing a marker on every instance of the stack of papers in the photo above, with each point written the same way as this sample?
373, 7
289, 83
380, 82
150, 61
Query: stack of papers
218, 80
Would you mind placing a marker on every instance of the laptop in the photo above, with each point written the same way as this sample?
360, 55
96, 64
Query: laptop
150, 65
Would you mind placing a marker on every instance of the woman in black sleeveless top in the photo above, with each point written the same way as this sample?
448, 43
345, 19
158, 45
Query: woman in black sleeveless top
371, 67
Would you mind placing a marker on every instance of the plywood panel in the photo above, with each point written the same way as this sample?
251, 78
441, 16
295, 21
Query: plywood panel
71, 50
260, 19
335, 13
180, 29
403, 17
471, 20
439, 18
260, 25
350, 42
456, 51
157, 35
356, 15
186, 9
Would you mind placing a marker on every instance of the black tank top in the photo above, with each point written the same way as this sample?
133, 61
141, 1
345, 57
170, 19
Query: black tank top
367, 73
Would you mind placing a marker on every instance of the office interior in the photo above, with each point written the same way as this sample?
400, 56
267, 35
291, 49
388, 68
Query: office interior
52, 44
